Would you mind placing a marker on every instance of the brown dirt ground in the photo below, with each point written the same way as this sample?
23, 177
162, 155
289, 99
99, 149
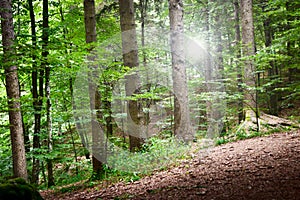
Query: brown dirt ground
258, 168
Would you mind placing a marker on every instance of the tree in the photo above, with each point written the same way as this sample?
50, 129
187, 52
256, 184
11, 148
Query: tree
95, 104
182, 127
12, 90
37, 95
45, 64
238, 57
130, 59
248, 50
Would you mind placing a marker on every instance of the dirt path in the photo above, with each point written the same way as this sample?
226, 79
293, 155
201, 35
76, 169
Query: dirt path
259, 168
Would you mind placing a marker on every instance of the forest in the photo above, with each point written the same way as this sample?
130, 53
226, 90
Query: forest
101, 92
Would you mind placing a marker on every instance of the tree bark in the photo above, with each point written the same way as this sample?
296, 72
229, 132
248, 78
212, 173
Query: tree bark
182, 128
238, 56
12, 90
98, 153
130, 59
248, 50
37, 99
45, 64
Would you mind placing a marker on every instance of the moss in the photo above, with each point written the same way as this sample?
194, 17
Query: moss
18, 189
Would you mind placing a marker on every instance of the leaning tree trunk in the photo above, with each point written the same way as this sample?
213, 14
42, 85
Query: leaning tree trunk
130, 59
248, 50
98, 148
12, 90
182, 127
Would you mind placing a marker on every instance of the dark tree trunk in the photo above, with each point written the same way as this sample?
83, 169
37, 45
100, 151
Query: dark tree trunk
37, 99
45, 64
12, 90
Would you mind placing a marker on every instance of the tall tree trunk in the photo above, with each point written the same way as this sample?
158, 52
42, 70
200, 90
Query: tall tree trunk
97, 139
12, 90
248, 49
182, 127
143, 11
37, 100
238, 56
130, 59
45, 53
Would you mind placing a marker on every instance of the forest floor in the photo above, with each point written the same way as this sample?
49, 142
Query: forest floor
258, 168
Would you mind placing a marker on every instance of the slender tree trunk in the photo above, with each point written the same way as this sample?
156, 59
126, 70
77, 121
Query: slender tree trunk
143, 11
248, 49
37, 100
238, 56
95, 104
73, 145
130, 59
45, 64
182, 127
26, 138
108, 109
12, 90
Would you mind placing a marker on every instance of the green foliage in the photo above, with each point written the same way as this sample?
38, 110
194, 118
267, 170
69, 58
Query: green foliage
5, 152
68, 172
221, 140
156, 154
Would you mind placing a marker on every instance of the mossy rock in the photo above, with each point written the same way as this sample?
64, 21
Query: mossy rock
18, 189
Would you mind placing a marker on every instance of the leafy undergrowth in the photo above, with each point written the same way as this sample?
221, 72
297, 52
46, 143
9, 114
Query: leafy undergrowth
257, 168
158, 154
